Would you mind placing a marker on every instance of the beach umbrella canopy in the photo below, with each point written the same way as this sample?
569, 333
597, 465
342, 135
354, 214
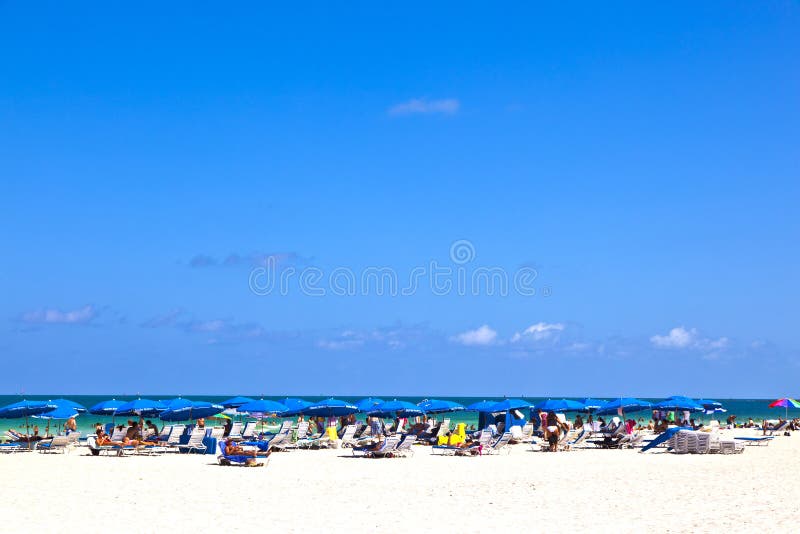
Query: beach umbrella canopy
235, 402
785, 403
26, 408
178, 402
678, 403
627, 404
330, 408
365, 405
108, 407
263, 406
482, 406
592, 404
141, 407
711, 406
62, 412
560, 405
440, 406
400, 408
195, 410
66, 403
295, 405
510, 404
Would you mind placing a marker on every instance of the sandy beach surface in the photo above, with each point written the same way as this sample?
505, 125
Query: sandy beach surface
321, 490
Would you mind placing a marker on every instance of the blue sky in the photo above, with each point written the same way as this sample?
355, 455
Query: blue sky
640, 161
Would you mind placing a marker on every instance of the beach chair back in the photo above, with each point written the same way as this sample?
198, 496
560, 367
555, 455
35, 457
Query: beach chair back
236, 430
286, 426
501, 442
302, 430
249, 429
175, 434
196, 438
164, 435
118, 434
407, 442
74, 437
348, 434
218, 432
389, 445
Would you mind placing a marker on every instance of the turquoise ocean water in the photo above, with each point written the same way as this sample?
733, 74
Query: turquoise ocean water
742, 408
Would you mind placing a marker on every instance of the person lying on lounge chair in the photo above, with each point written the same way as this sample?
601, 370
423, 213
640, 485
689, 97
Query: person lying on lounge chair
232, 449
103, 440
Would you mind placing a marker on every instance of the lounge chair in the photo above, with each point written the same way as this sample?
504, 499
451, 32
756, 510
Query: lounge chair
235, 459
778, 428
195, 443
236, 431
55, 444
404, 447
249, 430
755, 441
386, 448
348, 436
502, 444
96, 449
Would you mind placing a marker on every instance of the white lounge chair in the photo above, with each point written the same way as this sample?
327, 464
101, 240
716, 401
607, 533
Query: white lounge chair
348, 436
236, 431
249, 430
55, 444
404, 447
195, 442
388, 446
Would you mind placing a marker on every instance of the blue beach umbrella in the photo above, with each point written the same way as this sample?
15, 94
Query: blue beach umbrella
365, 405
592, 404
560, 405
510, 404
330, 408
482, 406
177, 402
141, 407
440, 406
62, 412
235, 402
196, 410
26, 408
397, 407
66, 403
107, 407
627, 404
711, 406
678, 403
262, 406
295, 405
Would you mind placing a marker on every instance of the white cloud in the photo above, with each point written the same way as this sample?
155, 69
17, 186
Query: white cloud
483, 335
678, 338
539, 332
54, 316
417, 106
682, 338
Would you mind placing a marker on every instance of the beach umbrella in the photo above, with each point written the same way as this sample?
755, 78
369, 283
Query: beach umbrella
482, 406
560, 405
26, 408
330, 408
62, 412
365, 405
510, 404
785, 403
66, 403
235, 402
295, 405
108, 407
625, 404
592, 404
678, 403
196, 410
400, 408
141, 407
440, 406
177, 402
711, 406
262, 406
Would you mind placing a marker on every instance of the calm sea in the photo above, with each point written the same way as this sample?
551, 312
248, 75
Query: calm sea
742, 408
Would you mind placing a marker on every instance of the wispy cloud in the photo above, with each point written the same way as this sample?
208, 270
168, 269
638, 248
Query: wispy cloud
254, 259
54, 316
539, 332
681, 337
481, 336
220, 329
423, 106
393, 338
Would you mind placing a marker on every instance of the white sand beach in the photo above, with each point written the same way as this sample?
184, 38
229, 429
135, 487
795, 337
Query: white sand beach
329, 490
